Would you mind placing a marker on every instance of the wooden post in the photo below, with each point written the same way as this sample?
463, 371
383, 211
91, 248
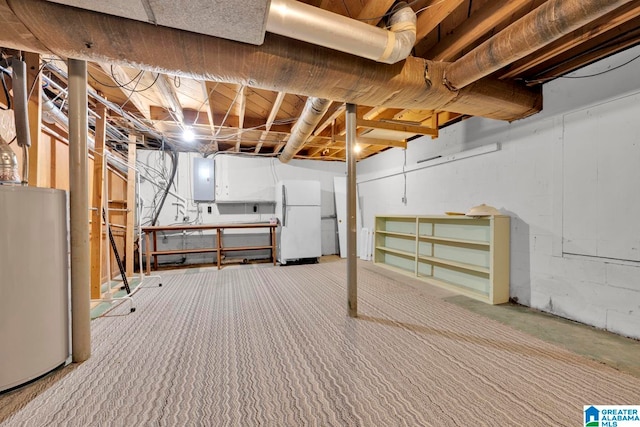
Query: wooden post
352, 260
96, 215
131, 207
34, 80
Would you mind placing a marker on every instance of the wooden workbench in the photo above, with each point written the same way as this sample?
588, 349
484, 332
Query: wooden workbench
150, 233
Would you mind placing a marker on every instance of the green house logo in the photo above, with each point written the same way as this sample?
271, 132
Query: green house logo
591, 417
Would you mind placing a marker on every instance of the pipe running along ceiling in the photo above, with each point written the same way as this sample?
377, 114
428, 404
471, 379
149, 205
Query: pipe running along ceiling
312, 66
279, 64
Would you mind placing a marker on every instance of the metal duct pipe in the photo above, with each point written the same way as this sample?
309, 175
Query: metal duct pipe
301, 21
21, 102
547, 23
51, 113
313, 111
280, 64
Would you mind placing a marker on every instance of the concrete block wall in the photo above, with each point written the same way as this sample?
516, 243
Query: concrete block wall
525, 179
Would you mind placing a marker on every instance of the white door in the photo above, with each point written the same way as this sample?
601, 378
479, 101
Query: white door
300, 233
340, 194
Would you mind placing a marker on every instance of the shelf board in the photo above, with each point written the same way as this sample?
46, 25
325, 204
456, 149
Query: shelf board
399, 270
396, 234
454, 241
183, 251
455, 287
396, 251
246, 248
455, 264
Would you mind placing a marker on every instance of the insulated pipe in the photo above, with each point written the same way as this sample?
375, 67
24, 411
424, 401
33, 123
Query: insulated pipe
311, 115
280, 64
547, 23
20, 102
303, 22
79, 212
300, 21
352, 224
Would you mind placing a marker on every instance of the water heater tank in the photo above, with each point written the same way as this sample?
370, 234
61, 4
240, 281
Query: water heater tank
34, 283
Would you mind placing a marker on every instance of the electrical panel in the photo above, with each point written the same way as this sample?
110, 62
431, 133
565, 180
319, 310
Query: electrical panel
204, 189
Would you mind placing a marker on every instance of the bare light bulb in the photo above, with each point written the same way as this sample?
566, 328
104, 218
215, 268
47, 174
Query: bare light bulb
188, 135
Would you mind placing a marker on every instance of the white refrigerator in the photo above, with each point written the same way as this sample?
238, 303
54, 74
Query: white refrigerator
299, 234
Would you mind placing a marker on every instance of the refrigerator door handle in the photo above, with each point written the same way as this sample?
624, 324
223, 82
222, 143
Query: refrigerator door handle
284, 206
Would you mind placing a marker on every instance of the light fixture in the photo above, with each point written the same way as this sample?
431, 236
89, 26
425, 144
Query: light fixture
188, 135
357, 148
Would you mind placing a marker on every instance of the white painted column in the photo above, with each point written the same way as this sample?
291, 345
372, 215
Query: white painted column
79, 212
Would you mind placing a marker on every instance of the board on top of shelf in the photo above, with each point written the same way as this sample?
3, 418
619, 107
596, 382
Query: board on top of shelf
468, 255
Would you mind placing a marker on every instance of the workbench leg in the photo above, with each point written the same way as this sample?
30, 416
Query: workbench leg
155, 248
273, 244
219, 245
148, 248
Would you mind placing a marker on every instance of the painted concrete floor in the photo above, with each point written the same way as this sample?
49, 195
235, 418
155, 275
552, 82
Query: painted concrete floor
611, 349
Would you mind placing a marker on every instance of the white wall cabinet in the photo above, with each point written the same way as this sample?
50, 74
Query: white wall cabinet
467, 255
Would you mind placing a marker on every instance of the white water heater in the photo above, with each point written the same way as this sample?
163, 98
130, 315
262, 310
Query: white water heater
34, 283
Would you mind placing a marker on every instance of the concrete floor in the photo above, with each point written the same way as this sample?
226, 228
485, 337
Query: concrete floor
614, 350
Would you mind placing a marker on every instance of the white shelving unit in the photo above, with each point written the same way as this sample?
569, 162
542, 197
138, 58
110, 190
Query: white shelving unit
467, 255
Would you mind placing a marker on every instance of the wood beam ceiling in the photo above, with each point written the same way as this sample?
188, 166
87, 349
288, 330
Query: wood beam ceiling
241, 107
435, 12
473, 29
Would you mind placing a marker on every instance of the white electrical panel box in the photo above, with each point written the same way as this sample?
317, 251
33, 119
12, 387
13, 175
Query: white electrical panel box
204, 189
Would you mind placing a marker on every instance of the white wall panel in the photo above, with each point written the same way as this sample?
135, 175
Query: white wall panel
543, 177
602, 180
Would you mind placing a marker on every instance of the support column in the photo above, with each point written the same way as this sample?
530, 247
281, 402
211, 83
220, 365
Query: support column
79, 209
131, 207
96, 215
352, 260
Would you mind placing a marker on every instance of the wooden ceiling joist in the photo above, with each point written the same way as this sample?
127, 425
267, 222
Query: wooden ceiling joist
418, 130
209, 89
241, 103
474, 28
338, 109
166, 90
193, 117
272, 117
435, 12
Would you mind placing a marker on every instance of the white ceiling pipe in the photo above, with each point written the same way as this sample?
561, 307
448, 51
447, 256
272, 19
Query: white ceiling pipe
313, 111
297, 20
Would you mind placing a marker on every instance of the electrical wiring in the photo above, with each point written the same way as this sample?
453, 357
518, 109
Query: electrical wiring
602, 72
123, 87
6, 92
174, 159
226, 114
132, 92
